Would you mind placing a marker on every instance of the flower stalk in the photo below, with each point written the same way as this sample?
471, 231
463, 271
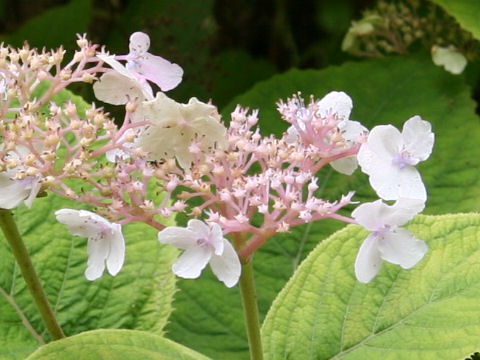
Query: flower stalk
250, 310
9, 228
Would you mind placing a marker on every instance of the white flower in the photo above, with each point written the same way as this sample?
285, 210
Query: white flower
202, 244
154, 68
14, 192
389, 158
387, 242
174, 127
452, 60
106, 244
130, 82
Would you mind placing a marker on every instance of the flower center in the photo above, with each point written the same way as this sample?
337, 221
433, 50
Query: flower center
203, 241
403, 159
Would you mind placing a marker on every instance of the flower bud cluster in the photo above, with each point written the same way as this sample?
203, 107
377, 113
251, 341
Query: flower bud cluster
392, 27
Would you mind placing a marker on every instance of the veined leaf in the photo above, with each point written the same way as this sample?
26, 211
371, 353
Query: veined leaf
208, 317
428, 312
115, 344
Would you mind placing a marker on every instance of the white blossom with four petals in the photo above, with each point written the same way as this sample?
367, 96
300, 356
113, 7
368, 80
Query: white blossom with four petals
106, 245
203, 244
389, 158
387, 242
174, 127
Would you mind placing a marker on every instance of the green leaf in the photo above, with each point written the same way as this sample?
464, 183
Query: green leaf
115, 344
208, 316
429, 312
54, 27
466, 12
139, 297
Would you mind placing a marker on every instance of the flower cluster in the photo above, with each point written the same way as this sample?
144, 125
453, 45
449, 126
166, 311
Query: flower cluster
395, 27
168, 157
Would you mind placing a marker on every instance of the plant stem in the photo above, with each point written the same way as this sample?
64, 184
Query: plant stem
250, 310
9, 227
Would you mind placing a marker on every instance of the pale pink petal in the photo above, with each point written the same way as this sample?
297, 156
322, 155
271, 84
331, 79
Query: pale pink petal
227, 267
368, 262
179, 237
418, 137
139, 43
116, 255
402, 248
191, 263
162, 72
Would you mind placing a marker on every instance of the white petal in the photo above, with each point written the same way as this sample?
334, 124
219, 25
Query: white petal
368, 262
292, 135
35, 187
385, 180
199, 228
115, 88
368, 215
191, 263
402, 248
351, 130
418, 137
402, 211
12, 192
227, 267
216, 239
97, 253
383, 144
178, 236
116, 65
116, 255
346, 165
335, 102
410, 184
376, 215
452, 60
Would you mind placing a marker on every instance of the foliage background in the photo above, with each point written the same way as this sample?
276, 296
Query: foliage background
225, 48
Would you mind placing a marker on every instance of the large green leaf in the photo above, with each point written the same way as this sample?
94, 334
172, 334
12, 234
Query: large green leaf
466, 12
115, 344
429, 312
139, 297
384, 91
